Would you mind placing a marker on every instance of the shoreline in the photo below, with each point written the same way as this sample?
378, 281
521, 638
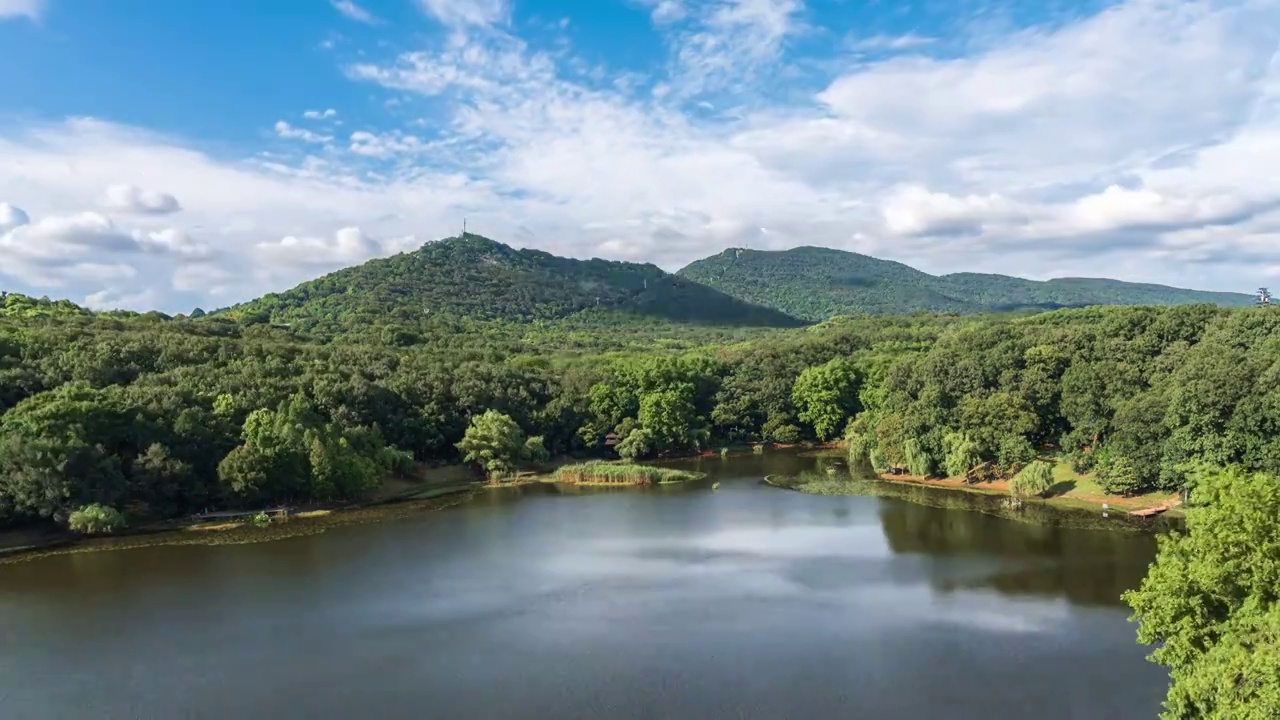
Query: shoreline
310, 521
1118, 505
987, 498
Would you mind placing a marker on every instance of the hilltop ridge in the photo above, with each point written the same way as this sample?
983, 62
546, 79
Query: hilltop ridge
815, 283
477, 277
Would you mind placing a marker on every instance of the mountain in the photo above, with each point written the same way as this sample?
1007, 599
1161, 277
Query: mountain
814, 284
475, 277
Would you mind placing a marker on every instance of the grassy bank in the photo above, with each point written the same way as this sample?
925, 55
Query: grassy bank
1078, 503
1070, 490
615, 473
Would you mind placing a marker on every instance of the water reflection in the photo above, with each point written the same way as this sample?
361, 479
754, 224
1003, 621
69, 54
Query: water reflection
1085, 566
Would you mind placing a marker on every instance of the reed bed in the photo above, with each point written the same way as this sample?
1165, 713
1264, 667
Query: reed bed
609, 473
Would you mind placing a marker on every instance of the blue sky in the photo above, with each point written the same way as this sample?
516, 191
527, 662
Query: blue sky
200, 153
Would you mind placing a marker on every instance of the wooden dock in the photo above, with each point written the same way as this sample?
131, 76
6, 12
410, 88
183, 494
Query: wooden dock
1152, 511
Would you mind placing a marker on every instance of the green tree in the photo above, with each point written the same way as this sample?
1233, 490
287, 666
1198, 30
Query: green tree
494, 442
827, 396
1034, 480
96, 519
917, 459
1209, 602
960, 454
244, 470
534, 450
669, 416
637, 444
1014, 453
1119, 477
786, 434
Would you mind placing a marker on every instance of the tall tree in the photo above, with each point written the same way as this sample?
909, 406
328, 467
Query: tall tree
827, 396
1209, 602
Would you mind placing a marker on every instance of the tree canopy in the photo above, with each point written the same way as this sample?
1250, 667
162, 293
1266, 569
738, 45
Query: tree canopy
1210, 600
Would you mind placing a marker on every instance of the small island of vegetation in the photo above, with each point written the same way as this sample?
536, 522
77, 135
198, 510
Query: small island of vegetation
613, 473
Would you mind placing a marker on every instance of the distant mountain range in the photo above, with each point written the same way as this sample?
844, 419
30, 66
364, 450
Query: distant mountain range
481, 279
476, 277
814, 284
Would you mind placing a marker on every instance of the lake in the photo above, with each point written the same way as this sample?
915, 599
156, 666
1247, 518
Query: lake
742, 602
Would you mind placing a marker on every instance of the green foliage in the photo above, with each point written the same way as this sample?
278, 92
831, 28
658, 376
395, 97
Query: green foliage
827, 396
668, 416
635, 445
321, 392
494, 442
598, 472
475, 277
1034, 480
1014, 453
820, 283
879, 462
786, 434
96, 519
262, 519
1119, 477
1209, 603
960, 454
534, 450
917, 459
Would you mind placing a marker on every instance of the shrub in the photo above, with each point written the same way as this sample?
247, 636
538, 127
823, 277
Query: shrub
1119, 477
621, 473
96, 519
787, 435
1035, 479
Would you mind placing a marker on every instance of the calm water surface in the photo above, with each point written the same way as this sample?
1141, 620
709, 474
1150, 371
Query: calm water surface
743, 602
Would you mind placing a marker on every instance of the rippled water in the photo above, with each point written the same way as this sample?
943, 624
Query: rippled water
741, 602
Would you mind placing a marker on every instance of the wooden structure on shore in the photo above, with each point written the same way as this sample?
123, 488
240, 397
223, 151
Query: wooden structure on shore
1152, 511
279, 513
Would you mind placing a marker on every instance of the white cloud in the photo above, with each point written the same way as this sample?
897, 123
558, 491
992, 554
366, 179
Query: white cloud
142, 301
209, 280
320, 114
352, 11
30, 9
347, 246
666, 11
60, 239
909, 41
386, 144
913, 210
174, 242
467, 12
732, 40
1135, 143
11, 217
133, 199
289, 132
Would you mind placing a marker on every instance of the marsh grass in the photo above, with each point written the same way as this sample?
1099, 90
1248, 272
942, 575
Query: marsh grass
610, 473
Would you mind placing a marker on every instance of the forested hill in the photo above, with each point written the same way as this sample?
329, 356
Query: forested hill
818, 283
473, 276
